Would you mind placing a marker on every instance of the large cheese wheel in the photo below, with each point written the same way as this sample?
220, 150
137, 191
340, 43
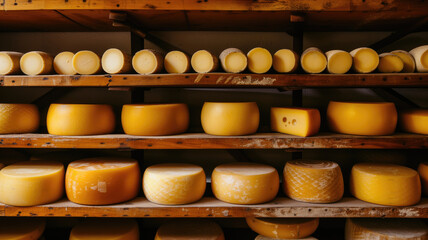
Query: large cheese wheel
106, 229
18, 118
86, 62
285, 61
174, 183
385, 184
259, 60
80, 119
420, 54
31, 183
390, 63
21, 228
36, 63
313, 60
177, 62
361, 118
313, 181
233, 60
288, 228
102, 180
302, 122
190, 229
9, 63
230, 118
414, 120
155, 119
261, 237
366, 60
63, 63
115, 61
147, 61
245, 183
423, 173
203, 61
408, 60
385, 229
338, 61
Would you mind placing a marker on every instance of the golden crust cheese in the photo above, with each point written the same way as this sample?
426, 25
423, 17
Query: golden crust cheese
414, 120
18, 118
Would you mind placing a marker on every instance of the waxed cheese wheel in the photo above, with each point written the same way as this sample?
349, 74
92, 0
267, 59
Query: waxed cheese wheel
414, 120
21, 228
115, 61
177, 62
9, 62
259, 60
36, 63
283, 228
285, 61
233, 60
18, 118
189, 229
86, 62
423, 173
63, 63
106, 229
313, 60
147, 61
302, 122
365, 59
204, 61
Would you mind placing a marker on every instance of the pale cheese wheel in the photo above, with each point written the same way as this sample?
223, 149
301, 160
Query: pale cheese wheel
233, 60
63, 63
86, 62
147, 61
390, 63
204, 62
414, 120
115, 61
9, 62
338, 61
245, 183
408, 60
285, 61
36, 63
177, 62
313, 60
174, 183
190, 229
283, 228
261, 237
420, 54
259, 60
21, 228
366, 60
106, 229
302, 122
423, 173
18, 118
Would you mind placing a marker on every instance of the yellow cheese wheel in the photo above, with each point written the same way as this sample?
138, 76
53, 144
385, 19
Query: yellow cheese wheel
366, 60
361, 118
177, 62
230, 118
414, 120
408, 60
21, 228
245, 183
106, 229
115, 61
313, 60
420, 54
261, 237
63, 63
390, 63
385, 184
36, 63
9, 62
285, 61
284, 228
31, 183
174, 183
147, 61
338, 61
423, 173
155, 119
86, 62
302, 122
102, 180
233, 60
259, 60
203, 62
80, 119
190, 229
18, 118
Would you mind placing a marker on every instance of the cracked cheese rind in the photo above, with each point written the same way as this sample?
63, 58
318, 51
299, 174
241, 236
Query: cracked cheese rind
302, 122
283, 228
18, 118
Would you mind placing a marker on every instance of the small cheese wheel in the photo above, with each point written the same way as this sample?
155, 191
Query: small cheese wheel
261, 237
423, 173
233, 60
21, 228
80, 119
115, 61
313, 181
190, 229
31, 183
285, 61
390, 63
86, 62
174, 183
36, 63
147, 61
259, 60
245, 183
63, 63
385, 229
385, 184
155, 119
292, 228
18, 118
414, 121
102, 180
106, 229
408, 60
230, 119
177, 62
366, 60
302, 122
338, 61
313, 60
9, 63
204, 62
420, 54
360, 118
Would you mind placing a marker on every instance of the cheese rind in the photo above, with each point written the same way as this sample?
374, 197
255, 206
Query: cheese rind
313, 60
414, 120
423, 173
86, 62
190, 229
420, 54
408, 60
36, 63
259, 60
233, 60
9, 62
366, 60
147, 61
338, 61
18, 118
106, 229
302, 122
285, 61
283, 228
177, 62
21, 228
260, 237
115, 61
62, 63
204, 62
390, 63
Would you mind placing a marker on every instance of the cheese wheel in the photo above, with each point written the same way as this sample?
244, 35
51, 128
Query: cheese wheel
385, 184
385, 229
408, 60
302, 122
177, 62
338, 61
115, 61
245, 183
36, 63
21, 228
285, 61
155, 119
361, 118
80, 119
414, 121
18, 118
259, 60
366, 60
280, 228
313, 181
204, 62
147, 61
313, 60
423, 173
190, 229
390, 63
174, 183
31, 183
233, 60
230, 118
86, 62
420, 54
260, 237
106, 229
9, 63
102, 180
62, 63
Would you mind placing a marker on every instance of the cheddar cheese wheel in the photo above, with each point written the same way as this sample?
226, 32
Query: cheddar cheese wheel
21, 228
18, 118
106, 229
283, 228
190, 229
414, 120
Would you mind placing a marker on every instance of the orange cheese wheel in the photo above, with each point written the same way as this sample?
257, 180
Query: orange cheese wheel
190, 229
106, 229
423, 173
283, 228
18, 118
21, 228
414, 121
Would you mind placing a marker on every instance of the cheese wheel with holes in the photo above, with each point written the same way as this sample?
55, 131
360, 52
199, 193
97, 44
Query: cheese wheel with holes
190, 229
21, 228
313, 60
233, 60
80, 119
245, 183
302, 122
177, 62
385, 184
18, 118
174, 183
285, 61
106, 229
259, 60
36, 63
9, 63
155, 119
230, 118
362, 118
390, 63
423, 173
147, 61
115, 61
385, 229
313, 181
408, 60
31, 183
204, 62
261, 237
414, 120
338, 61
86, 62
62, 63
366, 60
420, 54
102, 180
280, 228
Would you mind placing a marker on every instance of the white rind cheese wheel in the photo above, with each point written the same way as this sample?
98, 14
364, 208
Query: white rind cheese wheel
36, 63
366, 60
414, 120
18, 118
190, 229
21, 228
259, 60
338, 61
313, 60
260, 237
385, 184
233, 60
420, 54
147, 61
106, 229
115, 61
245, 183
9, 63
285, 61
177, 62
390, 63
204, 62
174, 183
302, 122
283, 228
86, 62
423, 173
63, 63
408, 60
31, 183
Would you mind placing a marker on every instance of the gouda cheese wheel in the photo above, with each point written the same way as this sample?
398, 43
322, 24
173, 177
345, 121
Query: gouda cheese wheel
18, 118
414, 120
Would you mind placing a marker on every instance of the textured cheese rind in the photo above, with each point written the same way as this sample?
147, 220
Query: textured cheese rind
362, 118
390, 63
155, 119
21, 228
365, 59
338, 61
423, 173
283, 228
31, 183
106, 229
190, 229
177, 62
385, 184
260, 237
9, 62
174, 183
102, 180
116, 61
259, 60
147, 61
245, 183
408, 60
414, 120
313, 60
204, 61
18, 118
420, 54
285, 61
86, 62
233, 60
62, 63
302, 122
36, 63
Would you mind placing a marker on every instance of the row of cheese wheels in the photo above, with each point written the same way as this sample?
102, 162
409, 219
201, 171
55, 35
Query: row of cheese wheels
233, 60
